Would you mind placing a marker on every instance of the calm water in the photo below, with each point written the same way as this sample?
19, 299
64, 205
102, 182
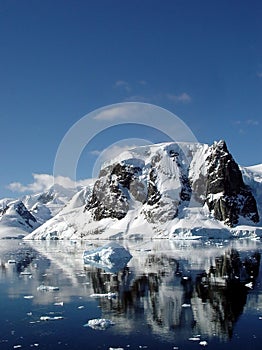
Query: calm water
163, 298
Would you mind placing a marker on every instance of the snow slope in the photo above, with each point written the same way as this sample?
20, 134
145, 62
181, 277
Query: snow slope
20, 217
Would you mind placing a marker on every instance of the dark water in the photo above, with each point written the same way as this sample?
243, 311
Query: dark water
170, 295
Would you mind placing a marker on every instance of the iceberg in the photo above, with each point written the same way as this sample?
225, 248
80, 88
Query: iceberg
99, 323
111, 257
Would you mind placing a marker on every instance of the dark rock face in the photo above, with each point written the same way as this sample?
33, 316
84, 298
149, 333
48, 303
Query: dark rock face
226, 194
153, 195
110, 194
46, 197
24, 213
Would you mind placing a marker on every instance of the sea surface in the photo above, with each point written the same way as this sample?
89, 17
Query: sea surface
170, 295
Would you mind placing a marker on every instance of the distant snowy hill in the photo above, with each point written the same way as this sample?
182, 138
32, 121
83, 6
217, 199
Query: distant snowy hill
22, 216
169, 190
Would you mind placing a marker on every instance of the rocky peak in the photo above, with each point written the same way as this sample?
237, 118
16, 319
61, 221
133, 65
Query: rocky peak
21, 210
226, 194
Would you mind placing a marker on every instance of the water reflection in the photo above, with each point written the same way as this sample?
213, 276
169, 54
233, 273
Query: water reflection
175, 289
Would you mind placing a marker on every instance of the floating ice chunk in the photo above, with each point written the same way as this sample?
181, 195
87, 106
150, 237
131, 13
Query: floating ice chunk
203, 343
115, 348
25, 273
249, 285
194, 339
42, 287
111, 257
186, 305
104, 295
17, 346
11, 261
28, 296
50, 318
60, 303
99, 323
81, 307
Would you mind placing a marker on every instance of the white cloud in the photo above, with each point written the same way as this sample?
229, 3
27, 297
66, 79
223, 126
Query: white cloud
183, 97
142, 82
123, 84
95, 152
252, 122
122, 112
43, 182
259, 74
137, 98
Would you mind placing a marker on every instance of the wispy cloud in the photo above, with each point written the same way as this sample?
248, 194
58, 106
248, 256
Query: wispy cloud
259, 74
123, 85
183, 97
252, 122
138, 98
113, 113
42, 182
245, 125
95, 152
143, 82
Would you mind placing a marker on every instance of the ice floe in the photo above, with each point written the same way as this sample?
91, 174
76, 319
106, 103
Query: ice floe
109, 295
42, 287
99, 323
51, 318
203, 343
111, 257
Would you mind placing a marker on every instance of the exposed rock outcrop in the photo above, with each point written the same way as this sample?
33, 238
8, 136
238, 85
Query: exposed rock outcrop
226, 194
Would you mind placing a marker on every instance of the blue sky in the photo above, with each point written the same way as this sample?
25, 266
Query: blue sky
60, 60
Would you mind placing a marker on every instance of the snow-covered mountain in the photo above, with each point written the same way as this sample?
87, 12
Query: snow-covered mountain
169, 190
22, 216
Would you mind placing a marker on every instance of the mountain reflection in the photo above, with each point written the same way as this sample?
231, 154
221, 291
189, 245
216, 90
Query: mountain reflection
172, 288
205, 302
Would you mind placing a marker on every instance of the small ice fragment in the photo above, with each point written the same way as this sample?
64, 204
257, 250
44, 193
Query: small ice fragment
29, 314
185, 277
28, 296
81, 307
186, 305
60, 303
49, 318
17, 346
203, 343
109, 295
42, 287
25, 273
99, 323
11, 261
115, 348
194, 338
260, 318
249, 285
